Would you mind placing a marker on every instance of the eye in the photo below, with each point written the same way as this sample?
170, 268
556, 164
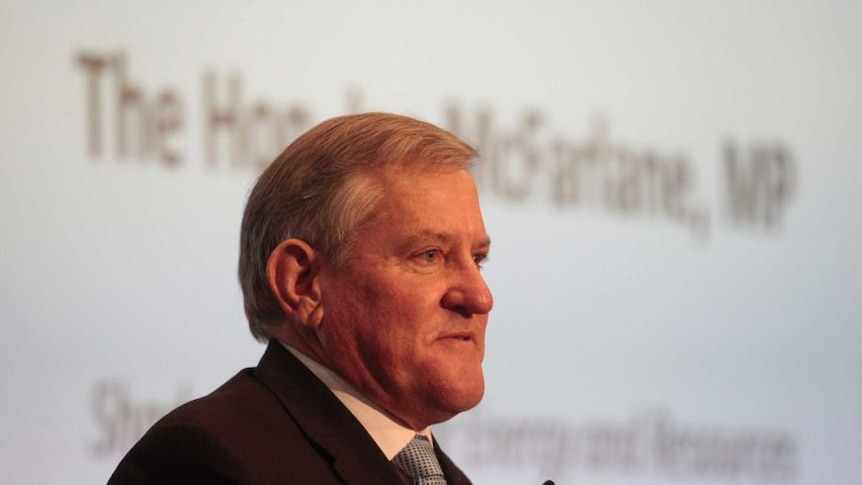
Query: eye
480, 260
430, 255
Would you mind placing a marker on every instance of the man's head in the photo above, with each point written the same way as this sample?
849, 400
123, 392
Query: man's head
361, 247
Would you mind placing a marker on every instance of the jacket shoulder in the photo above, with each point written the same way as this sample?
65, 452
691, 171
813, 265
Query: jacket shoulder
239, 433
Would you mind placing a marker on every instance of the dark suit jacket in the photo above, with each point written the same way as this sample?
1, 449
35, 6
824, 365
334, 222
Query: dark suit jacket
272, 424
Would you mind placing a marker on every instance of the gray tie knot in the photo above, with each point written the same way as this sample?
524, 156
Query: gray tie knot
420, 462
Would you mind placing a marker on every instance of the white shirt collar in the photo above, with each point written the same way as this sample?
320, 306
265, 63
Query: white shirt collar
389, 435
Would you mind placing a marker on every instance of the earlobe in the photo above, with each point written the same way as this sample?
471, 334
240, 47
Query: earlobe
292, 272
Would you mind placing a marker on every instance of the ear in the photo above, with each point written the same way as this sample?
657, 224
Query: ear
292, 272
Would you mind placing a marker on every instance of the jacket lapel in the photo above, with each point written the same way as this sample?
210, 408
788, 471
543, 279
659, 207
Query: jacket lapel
324, 420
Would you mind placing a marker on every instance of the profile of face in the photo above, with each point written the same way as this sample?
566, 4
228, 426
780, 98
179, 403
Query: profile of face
404, 318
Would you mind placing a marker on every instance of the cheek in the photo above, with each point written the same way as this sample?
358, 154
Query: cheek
383, 317
365, 318
342, 320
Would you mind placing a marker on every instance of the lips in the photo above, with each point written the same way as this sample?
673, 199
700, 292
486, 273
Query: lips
461, 336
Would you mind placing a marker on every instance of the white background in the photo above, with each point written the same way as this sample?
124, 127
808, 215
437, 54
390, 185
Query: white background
120, 272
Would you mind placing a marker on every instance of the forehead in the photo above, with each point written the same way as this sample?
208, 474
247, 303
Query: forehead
411, 188
428, 203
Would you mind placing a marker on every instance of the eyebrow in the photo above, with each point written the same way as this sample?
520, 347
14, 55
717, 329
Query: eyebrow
441, 237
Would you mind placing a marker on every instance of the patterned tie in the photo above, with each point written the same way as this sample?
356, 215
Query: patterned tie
419, 461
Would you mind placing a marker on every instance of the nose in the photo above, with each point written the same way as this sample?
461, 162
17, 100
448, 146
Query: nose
468, 294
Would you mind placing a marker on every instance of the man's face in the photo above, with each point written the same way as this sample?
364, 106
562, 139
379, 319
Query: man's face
404, 319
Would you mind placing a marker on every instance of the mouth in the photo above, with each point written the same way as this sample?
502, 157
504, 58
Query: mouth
460, 336
464, 344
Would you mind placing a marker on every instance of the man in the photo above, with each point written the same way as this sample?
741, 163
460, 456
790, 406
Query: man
360, 256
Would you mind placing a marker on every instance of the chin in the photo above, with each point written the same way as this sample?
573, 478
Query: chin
466, 395
444, 402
